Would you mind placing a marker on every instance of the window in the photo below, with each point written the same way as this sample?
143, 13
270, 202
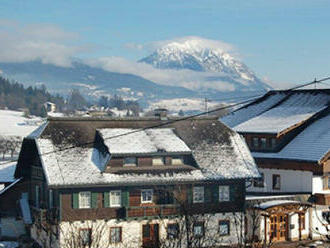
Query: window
326, 216
158, 161
276, 182
224, 193
199, 229
115, 235
328, 181
255, 142
115, 198
130, 161
260, 181
198, 194
302, 221
273, 143
146, 231
37, 195
146, 195
263, 143
224, 227
51, 199
172, 231
85, 199
85, 236
177, 160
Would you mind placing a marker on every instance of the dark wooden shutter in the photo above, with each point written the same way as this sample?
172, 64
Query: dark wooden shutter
75, 200
208, 193
232, 192
189, 194
94, 199
106, 200
215, 193
125, 197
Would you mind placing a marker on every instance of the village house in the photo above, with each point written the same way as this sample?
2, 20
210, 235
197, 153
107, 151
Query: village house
288, 133
116, 182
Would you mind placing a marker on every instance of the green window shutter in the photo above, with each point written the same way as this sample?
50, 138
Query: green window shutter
106, 201
232, 192
94, 199
215, 193
75, 200
125, 197
189, 194
208, 193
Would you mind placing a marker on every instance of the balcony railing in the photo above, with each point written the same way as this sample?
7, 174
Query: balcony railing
151, 211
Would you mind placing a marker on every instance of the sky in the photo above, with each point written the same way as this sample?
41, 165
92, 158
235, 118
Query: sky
284, 42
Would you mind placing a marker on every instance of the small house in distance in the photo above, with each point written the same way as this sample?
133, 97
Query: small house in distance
116, 182
288, 133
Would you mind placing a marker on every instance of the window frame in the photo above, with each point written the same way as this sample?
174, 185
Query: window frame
195, 193
89, 236
263, 143
255, 142
120, 234
173, 235
259, 183
202, 224
179, 159
144, 191
112, 205
81, 206
162, 159
279, 182
227, 187
130, 164
226, 222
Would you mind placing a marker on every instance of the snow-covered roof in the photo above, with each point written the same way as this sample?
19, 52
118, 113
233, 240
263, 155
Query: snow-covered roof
277, 111
252, 110
7, 171
145, 141
297, 108
311, 144
274, 203
219, 152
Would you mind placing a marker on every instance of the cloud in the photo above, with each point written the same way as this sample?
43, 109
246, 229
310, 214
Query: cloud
185, 78
27, 42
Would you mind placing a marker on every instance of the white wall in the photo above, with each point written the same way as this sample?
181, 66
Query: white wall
318, 185
318, 224
291, 181
132, 230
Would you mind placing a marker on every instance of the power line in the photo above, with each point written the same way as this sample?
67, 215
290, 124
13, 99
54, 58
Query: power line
175, 120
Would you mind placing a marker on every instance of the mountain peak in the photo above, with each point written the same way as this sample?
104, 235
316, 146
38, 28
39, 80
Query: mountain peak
199, 54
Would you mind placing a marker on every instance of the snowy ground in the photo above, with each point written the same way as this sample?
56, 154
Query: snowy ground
13, 123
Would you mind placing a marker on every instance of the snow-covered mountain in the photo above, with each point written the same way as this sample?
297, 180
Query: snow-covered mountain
202, 55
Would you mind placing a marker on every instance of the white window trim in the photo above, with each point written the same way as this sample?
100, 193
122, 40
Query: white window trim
203, 192
152, 195
224, 187
80, 199
112, 204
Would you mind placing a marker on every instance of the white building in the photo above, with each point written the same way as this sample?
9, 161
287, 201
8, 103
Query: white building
288, 133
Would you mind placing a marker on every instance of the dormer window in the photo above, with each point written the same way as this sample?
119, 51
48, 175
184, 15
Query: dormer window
273, 143
263, 143
177, 160
158, 161
255, 142
130, 161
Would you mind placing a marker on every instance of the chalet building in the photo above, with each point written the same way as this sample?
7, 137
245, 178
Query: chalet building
288, 133
12, 225
114, 182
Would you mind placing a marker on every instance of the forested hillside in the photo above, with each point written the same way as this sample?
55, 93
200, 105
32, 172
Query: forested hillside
14, 96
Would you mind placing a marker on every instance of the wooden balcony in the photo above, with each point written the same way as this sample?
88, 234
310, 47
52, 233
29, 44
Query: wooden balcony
152, 211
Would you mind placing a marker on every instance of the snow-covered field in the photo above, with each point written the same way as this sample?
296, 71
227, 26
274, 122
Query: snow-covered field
8, 244
13, 123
